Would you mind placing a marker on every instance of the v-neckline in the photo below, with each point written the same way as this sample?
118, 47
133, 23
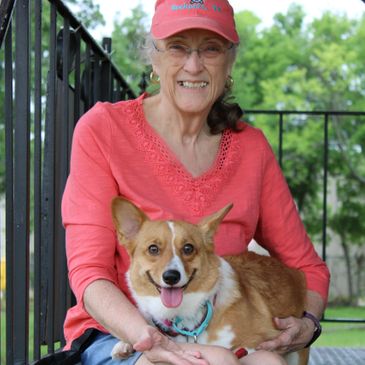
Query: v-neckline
195, 193
171, 156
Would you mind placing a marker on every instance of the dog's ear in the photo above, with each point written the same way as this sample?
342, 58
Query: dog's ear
210, 224
127, 219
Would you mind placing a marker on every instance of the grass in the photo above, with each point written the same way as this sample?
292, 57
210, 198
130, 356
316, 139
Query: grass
334, 334
343, 334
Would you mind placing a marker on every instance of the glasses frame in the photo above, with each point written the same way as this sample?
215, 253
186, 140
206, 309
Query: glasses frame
191, 50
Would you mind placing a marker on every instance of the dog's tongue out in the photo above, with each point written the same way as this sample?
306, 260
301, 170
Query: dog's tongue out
171, 297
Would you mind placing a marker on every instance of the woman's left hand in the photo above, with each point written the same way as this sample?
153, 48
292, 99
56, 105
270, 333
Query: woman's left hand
296, 334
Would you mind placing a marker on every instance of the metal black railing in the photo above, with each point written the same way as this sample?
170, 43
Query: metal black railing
47, 89
280, 118
51, 79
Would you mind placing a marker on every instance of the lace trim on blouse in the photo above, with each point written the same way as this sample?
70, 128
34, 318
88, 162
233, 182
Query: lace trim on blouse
195, 192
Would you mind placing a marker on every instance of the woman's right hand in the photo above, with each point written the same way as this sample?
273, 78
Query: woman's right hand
159, 348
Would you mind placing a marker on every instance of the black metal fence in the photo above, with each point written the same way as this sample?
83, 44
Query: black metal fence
49, 84
47, 89
327, 144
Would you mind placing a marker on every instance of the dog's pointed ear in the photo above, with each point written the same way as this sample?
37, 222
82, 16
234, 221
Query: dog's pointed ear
210, 224
127, 219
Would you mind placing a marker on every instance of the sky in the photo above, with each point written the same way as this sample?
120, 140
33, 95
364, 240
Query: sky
264, 9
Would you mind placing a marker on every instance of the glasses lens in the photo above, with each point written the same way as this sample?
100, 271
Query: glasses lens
209, 53
177, 51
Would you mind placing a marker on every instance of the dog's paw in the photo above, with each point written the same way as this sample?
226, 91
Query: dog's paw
122, 350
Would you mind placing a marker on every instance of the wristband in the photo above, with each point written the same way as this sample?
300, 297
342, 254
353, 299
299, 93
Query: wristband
317, 327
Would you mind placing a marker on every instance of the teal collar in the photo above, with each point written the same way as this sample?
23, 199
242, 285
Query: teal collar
196, 331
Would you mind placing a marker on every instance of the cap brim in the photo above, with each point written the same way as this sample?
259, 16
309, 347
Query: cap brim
169, 28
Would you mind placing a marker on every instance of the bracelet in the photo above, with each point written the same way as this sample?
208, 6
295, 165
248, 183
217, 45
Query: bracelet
317, 327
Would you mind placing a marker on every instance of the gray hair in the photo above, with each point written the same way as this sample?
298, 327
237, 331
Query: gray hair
147, 49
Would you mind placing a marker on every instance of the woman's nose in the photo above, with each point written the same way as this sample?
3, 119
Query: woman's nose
193, 62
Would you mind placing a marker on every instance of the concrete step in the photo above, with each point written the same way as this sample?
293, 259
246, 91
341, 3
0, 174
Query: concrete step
337, 356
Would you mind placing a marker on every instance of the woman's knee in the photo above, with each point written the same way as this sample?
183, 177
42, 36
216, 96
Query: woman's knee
263, 357
216, 355
221, 355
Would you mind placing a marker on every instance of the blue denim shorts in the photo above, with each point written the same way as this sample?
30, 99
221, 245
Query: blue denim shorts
99, 352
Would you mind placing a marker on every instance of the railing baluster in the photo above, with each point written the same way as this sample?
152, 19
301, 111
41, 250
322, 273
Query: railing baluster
106, 80
21, 183
37, 174
281, 131
325, 178
77, 93
48, 199
96, 79
87, 84
9, 145
62, 166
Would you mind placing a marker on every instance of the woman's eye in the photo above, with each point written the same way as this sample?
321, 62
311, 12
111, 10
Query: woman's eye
188, 249
178, 47
153, 250
213, 48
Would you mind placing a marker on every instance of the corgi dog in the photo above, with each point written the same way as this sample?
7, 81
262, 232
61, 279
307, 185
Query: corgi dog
183, 288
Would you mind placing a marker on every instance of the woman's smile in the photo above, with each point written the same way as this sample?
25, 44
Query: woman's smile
193, 84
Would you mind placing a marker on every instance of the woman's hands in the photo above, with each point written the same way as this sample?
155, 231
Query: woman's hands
158, 348
296, 334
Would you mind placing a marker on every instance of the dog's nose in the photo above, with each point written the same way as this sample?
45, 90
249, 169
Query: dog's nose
171, 277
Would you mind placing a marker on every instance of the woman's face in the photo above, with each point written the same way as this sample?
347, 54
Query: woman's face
192, 81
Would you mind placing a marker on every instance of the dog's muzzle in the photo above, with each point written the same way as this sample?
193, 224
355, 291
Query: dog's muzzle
170, 277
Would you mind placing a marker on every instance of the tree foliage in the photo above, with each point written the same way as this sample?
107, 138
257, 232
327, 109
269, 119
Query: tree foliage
128, 40
87, 11
296, 65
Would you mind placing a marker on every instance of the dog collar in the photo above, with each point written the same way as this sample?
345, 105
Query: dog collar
196, 331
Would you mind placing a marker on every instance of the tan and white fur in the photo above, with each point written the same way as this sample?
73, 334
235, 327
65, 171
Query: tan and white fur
174, 271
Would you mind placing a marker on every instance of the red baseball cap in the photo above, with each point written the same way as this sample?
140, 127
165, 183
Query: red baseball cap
173, 16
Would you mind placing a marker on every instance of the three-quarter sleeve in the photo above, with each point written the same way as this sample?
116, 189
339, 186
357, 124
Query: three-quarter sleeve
90, 237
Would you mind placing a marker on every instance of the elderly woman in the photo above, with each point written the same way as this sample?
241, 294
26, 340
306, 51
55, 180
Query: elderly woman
182, 153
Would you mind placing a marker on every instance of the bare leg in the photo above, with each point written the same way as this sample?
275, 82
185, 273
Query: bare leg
263, 357
215, 355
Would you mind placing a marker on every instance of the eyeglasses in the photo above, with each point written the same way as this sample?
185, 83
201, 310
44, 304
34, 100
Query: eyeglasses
210, 53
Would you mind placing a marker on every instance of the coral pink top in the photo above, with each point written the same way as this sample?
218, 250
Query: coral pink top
116, 152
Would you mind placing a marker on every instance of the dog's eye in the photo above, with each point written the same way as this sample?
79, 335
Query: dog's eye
153, 250
188, 249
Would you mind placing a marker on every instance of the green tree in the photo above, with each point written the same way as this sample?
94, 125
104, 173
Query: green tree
128, 39
88, 12
313, 66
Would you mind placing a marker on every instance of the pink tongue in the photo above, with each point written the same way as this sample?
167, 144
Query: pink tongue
171, 297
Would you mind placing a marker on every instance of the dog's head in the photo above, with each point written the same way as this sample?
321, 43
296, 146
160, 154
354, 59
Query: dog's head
168, 258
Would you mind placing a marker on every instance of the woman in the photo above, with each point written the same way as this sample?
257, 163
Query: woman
182, 154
